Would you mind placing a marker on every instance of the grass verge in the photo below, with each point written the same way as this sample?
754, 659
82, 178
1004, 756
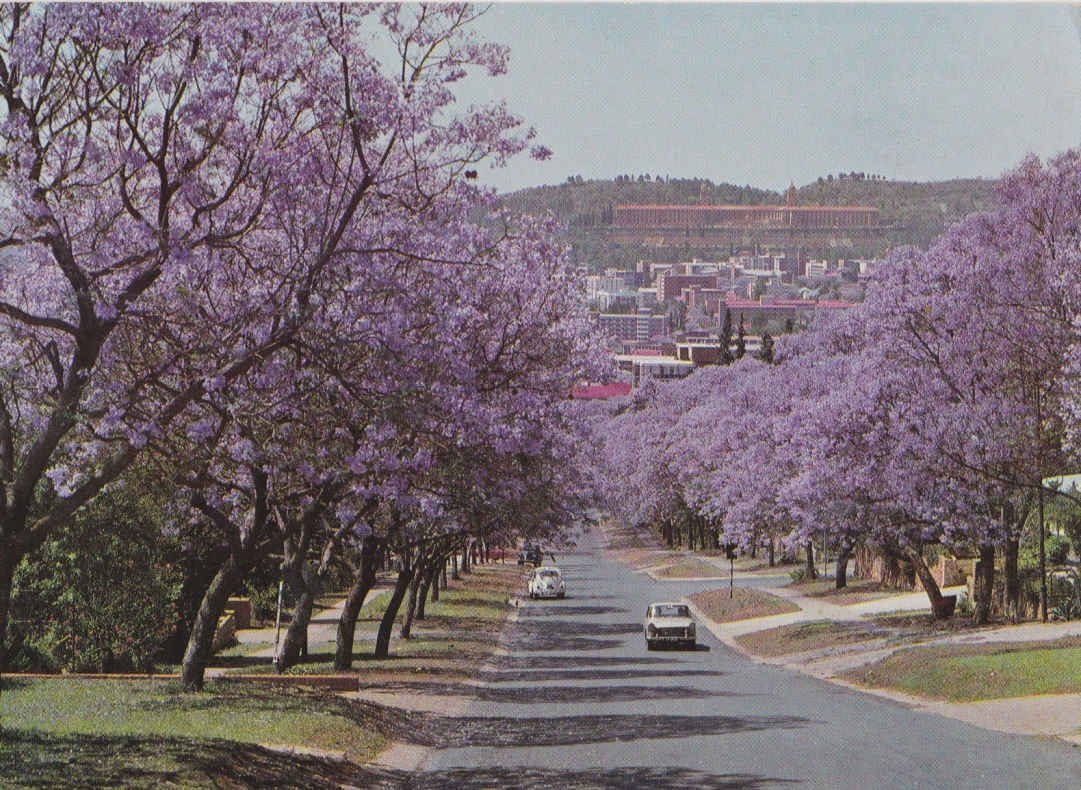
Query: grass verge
966, 673
857, 591
802, 637
744, 604
143, 733
692, 569
64, 732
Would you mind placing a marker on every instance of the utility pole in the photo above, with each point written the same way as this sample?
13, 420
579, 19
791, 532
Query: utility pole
278, 626
1043, 561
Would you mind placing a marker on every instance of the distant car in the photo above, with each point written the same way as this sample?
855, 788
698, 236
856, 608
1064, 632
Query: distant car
546, 582
669, 623
530, 555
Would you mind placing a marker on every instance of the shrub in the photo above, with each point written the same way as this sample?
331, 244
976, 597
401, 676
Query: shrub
1056, 550
798, 575
100, 595
964, 605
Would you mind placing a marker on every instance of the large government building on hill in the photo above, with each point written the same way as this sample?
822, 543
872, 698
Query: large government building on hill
778, 226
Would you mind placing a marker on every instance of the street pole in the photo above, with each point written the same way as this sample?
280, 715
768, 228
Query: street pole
1043, 568
278, 624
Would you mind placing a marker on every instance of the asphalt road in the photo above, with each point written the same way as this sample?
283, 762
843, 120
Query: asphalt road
579, 702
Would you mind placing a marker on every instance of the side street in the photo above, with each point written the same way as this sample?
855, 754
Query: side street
816, 650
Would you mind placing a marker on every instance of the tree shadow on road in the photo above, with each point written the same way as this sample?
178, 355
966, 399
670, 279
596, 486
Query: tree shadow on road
573, 610
526, 778
562, 662
433, 730
528, 695
566, 635
544, 676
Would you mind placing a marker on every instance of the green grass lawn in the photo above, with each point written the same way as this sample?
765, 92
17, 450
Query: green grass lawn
800, 637
744, 604
692, 569
965, 673
459, 627
857, 591
145, 733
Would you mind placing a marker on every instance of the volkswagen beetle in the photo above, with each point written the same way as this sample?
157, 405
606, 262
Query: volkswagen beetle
546, 582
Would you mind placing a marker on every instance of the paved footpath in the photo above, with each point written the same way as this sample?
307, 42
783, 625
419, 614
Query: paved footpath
1056, 715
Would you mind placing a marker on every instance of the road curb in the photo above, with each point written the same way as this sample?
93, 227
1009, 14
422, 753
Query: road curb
965, 712
408, 757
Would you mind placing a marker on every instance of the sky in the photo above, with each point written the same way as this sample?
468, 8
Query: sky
771, 94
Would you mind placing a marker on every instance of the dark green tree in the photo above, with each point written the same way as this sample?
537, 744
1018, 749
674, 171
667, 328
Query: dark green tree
766, 355
741, 339
101, 594
726, 338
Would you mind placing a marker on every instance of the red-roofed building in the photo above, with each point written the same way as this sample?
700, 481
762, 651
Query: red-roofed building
587, 391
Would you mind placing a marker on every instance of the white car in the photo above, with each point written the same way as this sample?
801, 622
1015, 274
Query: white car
669, 623
546, 582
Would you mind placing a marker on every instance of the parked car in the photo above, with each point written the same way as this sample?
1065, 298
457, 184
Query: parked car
530, 556
546, 582
669, 623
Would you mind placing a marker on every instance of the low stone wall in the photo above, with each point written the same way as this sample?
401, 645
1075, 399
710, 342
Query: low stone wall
241, 609
951, 571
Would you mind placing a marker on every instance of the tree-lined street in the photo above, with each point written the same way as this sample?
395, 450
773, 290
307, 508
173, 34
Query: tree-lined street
579, 702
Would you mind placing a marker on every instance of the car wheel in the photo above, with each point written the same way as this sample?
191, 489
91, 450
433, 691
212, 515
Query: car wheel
562, 596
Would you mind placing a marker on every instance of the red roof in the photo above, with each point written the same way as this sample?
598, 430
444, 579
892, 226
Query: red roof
617, 389
745, 207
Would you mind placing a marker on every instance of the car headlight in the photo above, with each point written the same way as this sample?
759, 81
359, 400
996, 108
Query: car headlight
651, 630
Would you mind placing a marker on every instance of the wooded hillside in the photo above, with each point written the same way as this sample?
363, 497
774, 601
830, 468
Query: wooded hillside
915, 213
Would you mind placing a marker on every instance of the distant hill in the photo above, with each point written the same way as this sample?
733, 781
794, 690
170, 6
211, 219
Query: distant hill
915, 212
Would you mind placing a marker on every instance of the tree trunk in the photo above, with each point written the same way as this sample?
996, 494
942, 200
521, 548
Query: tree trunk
411, 606
927, 579
1012, 582
843, 557
809, 553
772, 552
430, 584
295, 645
465, 559
201, 641
401, 586
454, 566
8, 562
984, 584
362, 585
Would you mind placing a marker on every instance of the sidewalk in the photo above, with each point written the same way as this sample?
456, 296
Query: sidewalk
1054, 715
322, 628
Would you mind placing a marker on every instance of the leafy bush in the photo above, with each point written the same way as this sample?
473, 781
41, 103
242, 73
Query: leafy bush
964, 605
100, 595
264, 600
798, 575
1056, 550
1069, 609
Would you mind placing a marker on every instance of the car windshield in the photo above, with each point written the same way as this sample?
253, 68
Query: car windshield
671, 610
547, 574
